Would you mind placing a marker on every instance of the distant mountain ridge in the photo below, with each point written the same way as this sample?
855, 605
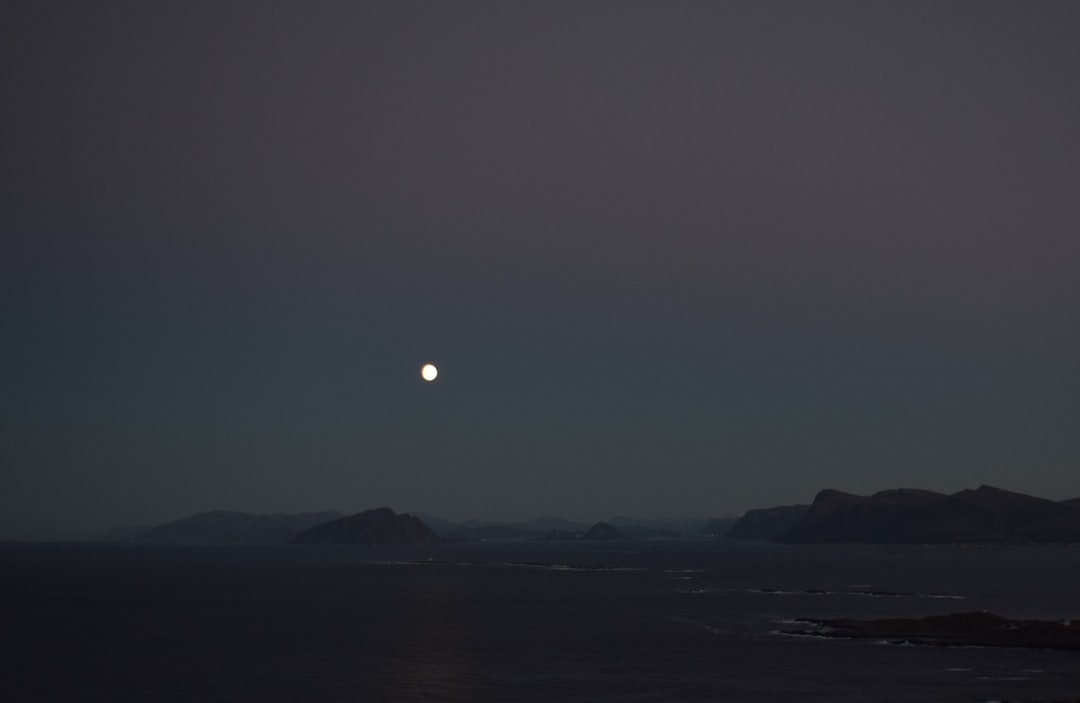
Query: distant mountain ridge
224, 527
558, 528
914, 516
371, 527
661, 527
895, 516
719, 527
482, 533
603, 531
230, 527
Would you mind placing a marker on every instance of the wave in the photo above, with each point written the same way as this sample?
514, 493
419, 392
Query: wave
808, 635
570, 567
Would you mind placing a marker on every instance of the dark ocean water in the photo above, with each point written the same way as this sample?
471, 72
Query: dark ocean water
634, 621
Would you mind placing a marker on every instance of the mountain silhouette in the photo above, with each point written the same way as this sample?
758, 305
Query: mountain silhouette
767, 523
985, 514
379, 526
602, 530
229, 527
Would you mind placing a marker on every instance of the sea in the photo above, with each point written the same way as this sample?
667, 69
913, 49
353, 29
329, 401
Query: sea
620, 621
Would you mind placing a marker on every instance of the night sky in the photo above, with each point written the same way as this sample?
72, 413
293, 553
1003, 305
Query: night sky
672, 258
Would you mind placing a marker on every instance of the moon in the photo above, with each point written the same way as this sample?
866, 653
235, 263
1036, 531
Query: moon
428, 372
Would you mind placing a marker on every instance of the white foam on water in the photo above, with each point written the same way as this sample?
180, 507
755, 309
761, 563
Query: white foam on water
808, 635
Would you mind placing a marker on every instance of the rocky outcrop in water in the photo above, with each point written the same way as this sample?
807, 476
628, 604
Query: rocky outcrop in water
958, 629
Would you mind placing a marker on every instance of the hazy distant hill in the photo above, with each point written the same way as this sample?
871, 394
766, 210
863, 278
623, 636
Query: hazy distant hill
560, 528
986, 514
537, 528
477, 531
227, 527
482, 532
546, 524
662, 527
563, 535
379, 526
602, 530
719, 527
643, 532
438, 525
123, 534
766, 523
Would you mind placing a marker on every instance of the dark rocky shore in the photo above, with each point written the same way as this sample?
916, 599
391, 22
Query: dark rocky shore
957, 629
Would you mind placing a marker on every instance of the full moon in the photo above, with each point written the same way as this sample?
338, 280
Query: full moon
429, 372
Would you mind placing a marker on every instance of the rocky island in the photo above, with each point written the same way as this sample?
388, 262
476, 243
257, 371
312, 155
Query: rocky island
955, 630
379, 526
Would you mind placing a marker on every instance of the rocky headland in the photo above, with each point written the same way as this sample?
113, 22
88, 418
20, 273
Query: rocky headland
913, 516
767, 523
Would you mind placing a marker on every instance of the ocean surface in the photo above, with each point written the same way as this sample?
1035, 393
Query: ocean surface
665, 620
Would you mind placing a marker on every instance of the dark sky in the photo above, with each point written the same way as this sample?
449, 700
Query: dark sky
672, 258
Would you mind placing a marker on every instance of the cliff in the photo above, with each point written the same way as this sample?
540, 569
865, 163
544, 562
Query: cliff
985, 514
767, 523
